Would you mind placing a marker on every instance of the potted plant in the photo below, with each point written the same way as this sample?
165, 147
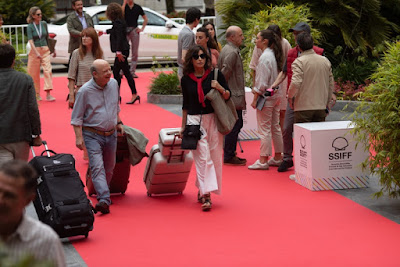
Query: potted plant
165, 88
377, 123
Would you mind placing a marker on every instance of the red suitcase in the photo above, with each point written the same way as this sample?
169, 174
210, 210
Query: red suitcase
122, 170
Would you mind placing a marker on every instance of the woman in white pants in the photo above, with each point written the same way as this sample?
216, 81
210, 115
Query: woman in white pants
196, 110
269, 65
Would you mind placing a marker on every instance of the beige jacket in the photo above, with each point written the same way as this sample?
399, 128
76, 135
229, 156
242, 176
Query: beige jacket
312, 82
231, 65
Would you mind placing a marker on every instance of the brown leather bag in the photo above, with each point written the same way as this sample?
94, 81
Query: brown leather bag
51, 43
224, 110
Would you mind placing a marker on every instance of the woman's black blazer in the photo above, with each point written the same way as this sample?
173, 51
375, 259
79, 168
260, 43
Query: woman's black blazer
117, 34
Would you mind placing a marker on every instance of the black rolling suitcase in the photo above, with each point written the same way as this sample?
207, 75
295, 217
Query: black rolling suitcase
61, 201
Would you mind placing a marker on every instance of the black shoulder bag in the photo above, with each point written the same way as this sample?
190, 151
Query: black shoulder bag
191, 135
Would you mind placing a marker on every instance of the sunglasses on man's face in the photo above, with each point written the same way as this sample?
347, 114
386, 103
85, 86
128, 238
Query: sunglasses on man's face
39, 14
196, 57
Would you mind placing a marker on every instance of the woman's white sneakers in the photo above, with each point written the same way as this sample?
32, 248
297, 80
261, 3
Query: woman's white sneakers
259, 166
273, 162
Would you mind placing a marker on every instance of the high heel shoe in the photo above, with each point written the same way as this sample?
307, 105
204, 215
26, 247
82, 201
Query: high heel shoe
134, 100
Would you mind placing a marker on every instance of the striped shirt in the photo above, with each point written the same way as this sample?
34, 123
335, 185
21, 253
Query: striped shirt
79, 69
37, 239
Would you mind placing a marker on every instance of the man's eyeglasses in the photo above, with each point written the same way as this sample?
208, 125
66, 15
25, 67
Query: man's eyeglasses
196, 57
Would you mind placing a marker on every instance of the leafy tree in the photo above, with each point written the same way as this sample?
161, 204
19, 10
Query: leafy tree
351, 24
285, 16
15, 12
236, 12
19, 65
377, 124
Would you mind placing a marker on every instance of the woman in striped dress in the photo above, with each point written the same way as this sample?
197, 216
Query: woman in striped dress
81, 60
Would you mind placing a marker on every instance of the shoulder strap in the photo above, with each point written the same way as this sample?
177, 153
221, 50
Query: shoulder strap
216, 74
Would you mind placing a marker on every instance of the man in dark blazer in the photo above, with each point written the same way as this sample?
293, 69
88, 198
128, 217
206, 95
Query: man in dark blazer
76, 22
19, 113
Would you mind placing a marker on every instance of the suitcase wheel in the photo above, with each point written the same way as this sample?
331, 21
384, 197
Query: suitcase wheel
148, 194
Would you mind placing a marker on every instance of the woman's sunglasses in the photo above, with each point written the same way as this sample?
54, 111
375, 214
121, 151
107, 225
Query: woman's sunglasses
196, 57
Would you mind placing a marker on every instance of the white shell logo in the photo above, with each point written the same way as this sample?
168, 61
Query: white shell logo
340, 143
303, 142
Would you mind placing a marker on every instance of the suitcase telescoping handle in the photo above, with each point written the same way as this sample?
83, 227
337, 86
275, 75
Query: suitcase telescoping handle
47, 150
176, 135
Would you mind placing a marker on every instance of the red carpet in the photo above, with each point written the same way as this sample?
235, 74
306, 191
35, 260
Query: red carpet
261, 219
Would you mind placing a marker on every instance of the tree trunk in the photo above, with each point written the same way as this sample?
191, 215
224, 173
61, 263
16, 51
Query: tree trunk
209, 7
170, 6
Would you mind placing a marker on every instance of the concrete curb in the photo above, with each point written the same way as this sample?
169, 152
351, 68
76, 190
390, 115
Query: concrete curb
346, 105
164, 99
341, 105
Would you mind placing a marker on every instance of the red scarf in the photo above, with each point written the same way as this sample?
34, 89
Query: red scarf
199, 85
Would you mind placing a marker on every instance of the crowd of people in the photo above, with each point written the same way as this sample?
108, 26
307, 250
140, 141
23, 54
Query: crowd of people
290, 85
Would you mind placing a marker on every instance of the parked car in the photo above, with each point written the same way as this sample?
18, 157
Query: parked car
159, 39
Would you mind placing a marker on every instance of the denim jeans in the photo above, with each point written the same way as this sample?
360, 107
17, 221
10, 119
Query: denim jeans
288, 134
232, 137
101, 151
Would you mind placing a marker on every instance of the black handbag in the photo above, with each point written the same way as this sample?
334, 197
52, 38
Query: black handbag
191, 135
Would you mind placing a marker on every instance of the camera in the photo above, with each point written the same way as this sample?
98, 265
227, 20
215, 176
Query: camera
270, 91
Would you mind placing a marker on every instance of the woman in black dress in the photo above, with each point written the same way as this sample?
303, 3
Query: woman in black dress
120, 46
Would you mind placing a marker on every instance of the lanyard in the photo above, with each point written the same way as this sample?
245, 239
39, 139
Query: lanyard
39, 32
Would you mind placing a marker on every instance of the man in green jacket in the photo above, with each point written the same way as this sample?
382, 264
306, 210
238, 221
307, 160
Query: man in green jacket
76, 22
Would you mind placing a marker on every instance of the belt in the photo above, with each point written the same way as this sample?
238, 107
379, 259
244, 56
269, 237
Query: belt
93, 130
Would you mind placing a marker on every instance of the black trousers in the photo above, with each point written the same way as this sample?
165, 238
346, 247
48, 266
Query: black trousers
231, 138
124, 66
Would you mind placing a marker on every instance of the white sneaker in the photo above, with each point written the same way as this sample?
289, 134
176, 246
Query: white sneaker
292, 177
273, 162
50, 98
258, 166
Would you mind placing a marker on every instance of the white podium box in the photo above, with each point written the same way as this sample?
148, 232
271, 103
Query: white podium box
249, 129
326, 157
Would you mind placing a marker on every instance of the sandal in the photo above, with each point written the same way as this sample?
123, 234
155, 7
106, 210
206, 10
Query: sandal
200, 198
207, 202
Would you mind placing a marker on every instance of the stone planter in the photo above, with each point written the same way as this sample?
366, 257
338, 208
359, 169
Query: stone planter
341, 104
346, 105
164, 99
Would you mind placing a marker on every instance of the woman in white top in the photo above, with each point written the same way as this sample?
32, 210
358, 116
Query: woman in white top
283, 86
268, 67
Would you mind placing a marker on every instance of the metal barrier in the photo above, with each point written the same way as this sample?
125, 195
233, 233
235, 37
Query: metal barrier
17, 37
